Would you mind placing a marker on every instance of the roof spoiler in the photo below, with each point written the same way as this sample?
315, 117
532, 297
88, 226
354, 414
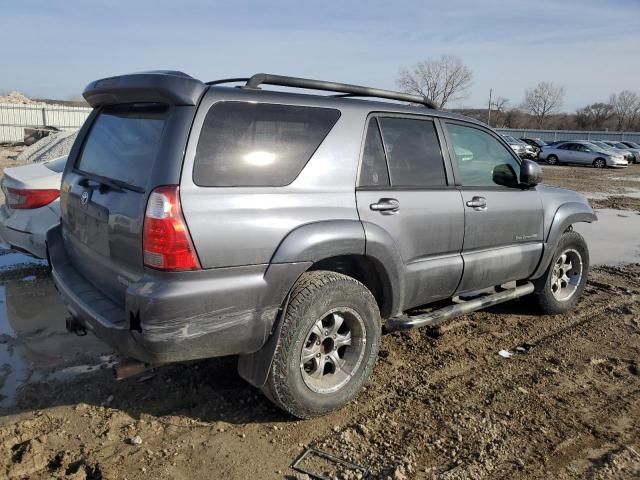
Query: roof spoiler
159, 86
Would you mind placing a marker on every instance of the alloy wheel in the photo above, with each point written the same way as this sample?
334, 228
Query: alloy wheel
333, 350
566, 275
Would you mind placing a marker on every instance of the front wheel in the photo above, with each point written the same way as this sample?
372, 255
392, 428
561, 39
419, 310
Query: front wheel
552, 160
328, 345
599, 163
562, 284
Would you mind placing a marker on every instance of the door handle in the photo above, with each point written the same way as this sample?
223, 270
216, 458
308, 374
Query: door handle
385, 205
477, 203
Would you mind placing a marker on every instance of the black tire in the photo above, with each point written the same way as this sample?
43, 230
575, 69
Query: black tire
547, 301
314, 296
599, 163
552, 160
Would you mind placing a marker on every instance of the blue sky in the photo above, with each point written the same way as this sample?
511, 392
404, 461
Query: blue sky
53, 49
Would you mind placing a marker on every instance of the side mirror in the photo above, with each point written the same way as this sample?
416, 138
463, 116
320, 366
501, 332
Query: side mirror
530, 174
505, 175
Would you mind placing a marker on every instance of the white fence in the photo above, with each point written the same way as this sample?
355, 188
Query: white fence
15, 117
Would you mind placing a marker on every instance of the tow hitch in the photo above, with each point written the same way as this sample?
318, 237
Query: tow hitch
74, 326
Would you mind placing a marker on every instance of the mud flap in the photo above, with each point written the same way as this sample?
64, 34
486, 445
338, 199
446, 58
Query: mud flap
254, 367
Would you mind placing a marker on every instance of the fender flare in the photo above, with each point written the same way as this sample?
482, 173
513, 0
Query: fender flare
565, 216
309, 244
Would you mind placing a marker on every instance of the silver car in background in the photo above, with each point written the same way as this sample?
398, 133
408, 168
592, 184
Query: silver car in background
632, 154
582, 152
31, 206
520, 148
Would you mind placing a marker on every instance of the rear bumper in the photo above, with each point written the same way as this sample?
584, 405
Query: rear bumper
26, 229
178, 316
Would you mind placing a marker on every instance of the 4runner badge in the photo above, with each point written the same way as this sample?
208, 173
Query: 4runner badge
84, 198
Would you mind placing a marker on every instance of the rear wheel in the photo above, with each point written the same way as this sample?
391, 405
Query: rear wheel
328, 345
561, 286
599, 163
552, 160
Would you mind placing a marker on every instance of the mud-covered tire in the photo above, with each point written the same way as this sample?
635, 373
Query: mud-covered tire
552, 160
551, 302
313, 298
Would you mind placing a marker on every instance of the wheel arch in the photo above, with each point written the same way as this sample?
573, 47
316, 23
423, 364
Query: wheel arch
566, 215
338, 246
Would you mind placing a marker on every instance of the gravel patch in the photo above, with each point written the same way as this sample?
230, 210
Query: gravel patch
50, 147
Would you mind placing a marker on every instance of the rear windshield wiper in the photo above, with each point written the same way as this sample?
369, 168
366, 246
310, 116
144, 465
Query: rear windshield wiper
108, 183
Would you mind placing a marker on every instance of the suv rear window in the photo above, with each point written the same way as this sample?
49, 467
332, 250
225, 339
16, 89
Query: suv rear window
123, 142
258, 144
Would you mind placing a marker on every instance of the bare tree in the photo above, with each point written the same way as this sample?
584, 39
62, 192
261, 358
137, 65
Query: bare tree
441, 80
543, 100
500, 104
626, 108
498, 109
594, 116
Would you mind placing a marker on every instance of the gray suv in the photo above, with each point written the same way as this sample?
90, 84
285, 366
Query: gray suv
202, 220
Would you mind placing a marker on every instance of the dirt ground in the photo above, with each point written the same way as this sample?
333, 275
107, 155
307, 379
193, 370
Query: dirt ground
441, 403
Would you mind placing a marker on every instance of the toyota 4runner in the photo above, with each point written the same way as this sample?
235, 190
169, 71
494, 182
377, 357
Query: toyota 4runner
203, 219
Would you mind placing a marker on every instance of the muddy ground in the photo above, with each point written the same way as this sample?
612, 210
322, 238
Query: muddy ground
441, 403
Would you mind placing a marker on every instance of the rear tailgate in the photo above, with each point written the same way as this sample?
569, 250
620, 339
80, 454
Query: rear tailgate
128, 148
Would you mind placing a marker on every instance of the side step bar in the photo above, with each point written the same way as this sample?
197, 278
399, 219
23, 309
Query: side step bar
436, 317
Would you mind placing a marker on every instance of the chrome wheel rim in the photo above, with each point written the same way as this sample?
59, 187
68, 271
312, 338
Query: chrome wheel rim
552, 160
600, 164
566, 275
333, 350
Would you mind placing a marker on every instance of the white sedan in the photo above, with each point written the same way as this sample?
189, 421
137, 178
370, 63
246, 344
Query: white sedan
32, 205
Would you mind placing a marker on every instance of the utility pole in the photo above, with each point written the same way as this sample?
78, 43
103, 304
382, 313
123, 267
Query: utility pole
489, 115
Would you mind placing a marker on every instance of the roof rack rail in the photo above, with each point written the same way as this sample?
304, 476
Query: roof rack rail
351, 90
227, 80
345, 89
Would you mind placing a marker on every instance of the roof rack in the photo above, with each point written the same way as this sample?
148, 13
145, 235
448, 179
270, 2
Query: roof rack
227, 80
345, 89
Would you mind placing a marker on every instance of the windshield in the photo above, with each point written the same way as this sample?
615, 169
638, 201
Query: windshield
592, 146
633, 145
602, 145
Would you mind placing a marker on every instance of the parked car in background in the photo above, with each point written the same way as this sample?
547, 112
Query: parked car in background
516, 145
627, 147
31, 205
633, 145
583, 153
621, 148
535, 143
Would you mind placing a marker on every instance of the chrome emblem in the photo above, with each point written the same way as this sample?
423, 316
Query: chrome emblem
84, 198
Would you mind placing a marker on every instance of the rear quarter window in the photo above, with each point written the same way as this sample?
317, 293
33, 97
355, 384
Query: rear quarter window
258, 144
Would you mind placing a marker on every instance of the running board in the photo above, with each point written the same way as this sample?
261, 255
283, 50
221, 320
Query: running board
436, 317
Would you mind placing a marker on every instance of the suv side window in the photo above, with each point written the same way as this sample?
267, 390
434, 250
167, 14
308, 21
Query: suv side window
565, 146
413, 152
482, 160
374, 171
258, 144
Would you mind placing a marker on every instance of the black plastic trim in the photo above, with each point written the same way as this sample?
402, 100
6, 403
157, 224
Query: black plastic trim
353, 90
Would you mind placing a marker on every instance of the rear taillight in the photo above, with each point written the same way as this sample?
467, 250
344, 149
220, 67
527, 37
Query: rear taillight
28, 198
166, 240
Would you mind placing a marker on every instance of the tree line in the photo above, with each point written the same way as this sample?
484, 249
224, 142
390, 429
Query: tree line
448, 79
